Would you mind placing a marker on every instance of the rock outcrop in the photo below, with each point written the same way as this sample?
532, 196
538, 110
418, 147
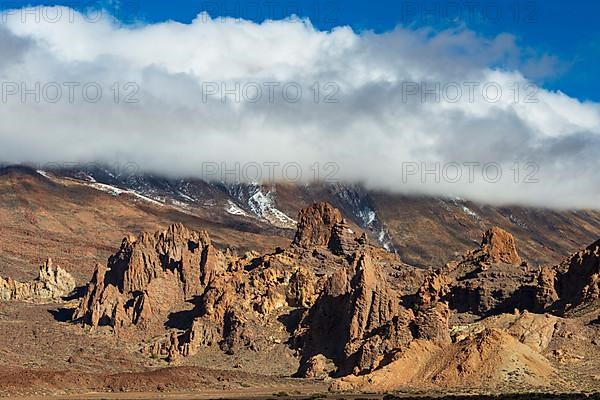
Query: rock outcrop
359, 323
237, 303
491, 279
579, 285
317, 367
148, 277
315, 225
355, 301
52, 284
332, 304
329, 288
570, 287
546, 295
432, 324
344, 241
435, 288
499, 247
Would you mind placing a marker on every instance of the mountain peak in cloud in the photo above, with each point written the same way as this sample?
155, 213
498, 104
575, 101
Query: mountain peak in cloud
405, 111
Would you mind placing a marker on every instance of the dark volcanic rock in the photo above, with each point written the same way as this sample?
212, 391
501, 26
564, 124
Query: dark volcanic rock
579, 285
489, 280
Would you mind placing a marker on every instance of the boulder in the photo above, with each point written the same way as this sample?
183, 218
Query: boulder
317, 367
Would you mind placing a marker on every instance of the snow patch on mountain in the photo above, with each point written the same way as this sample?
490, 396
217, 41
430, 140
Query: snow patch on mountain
367, 216
470, 212
263, 205
233, 209
115, 191
43, 173
186, 197
357, 201
385, 240
461, 204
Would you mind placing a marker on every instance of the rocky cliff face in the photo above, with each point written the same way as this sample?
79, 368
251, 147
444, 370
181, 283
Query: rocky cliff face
355, 301
575, 284
52, 284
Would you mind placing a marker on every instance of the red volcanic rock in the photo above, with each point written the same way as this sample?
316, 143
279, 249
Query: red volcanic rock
432, 324
499, 246
302, 290
317, 367
148, 276
236, 304
355, 301
315, 224
344, 241
358, 321
435, 288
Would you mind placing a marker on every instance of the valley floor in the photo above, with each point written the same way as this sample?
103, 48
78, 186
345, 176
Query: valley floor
42, 357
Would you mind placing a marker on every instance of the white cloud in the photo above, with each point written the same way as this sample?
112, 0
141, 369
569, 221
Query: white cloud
373, 133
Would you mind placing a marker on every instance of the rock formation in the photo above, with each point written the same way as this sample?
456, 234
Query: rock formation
315, 225
344, 241
236, 298
491, 279
335, 303
148, 277
359, 323
546, 295
355, 301
499, 247
350, 317
579, 284
52, 284
235, 304
317, 367
435, 288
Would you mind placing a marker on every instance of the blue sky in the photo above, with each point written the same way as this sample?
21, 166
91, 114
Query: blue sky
566, 35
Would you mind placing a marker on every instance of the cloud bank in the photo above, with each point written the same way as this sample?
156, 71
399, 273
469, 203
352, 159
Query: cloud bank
411, 111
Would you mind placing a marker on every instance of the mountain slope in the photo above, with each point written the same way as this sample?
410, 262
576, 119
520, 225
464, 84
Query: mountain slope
78, 223
76, 218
